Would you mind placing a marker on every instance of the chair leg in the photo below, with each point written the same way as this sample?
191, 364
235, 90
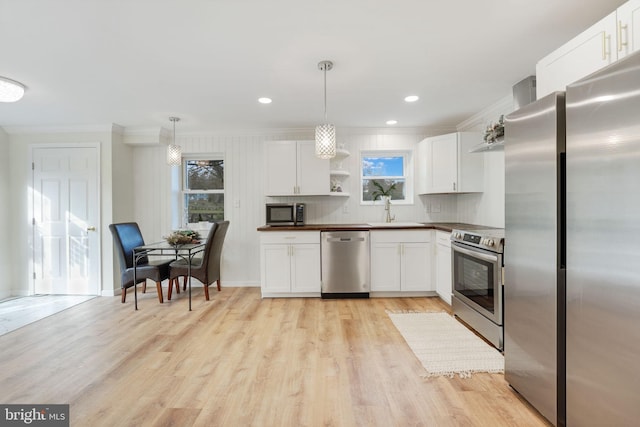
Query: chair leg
170, 290
184, 283
159, 288
218, 285
206, 292
144, 287
124, 295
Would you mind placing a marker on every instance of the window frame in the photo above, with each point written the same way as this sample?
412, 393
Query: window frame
184, 191
407, 168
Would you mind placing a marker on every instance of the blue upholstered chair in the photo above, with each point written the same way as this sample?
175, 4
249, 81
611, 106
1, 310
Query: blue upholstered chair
127, 236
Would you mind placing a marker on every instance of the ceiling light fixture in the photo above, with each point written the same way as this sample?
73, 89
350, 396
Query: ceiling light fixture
264, 100
174, 152
392, 122
10, 90
411, 98
325, 133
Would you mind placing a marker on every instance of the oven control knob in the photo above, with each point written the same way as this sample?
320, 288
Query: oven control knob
489, 242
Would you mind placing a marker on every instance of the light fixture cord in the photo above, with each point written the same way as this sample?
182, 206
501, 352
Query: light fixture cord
325, 94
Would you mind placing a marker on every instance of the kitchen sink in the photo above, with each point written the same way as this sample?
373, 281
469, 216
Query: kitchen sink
395, 224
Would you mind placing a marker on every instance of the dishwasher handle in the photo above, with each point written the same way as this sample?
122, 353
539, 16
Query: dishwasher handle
345, 239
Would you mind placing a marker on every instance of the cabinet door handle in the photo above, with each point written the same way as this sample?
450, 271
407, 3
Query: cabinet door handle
605, 40
454, 186
620, 43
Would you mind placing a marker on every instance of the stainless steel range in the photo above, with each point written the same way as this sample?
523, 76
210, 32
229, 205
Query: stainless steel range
477, 266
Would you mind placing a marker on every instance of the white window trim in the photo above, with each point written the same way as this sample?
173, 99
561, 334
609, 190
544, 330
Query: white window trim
183, 178
407, 156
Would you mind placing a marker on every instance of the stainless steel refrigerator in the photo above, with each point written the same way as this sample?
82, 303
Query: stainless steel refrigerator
572, 250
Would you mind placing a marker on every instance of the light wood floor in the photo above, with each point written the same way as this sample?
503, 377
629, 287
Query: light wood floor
239, 360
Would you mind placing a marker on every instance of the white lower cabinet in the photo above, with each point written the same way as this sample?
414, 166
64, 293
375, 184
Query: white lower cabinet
290, 263
443, 266
401, 260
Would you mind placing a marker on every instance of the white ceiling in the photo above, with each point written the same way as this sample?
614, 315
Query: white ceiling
137, 62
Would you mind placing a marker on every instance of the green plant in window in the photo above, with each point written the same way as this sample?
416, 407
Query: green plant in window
381, 192
386, 195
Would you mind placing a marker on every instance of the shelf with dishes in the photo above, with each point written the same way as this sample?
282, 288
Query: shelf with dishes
338, 174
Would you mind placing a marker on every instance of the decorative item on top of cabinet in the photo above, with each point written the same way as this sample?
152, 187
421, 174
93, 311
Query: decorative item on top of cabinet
447, 166
292, 169
610, 39
338, 173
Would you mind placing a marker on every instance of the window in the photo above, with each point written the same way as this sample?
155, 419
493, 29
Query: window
203, 189
386, 168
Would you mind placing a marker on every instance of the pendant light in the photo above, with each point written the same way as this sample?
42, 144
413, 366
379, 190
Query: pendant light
10, 90
325, 133
174, 152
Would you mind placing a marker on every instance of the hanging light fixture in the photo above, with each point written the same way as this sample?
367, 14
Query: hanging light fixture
174, 152
325, 133
10, 90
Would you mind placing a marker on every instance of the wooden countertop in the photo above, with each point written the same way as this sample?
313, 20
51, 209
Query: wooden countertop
442, 226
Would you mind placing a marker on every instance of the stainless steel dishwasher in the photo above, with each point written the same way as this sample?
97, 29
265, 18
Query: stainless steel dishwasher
345, 264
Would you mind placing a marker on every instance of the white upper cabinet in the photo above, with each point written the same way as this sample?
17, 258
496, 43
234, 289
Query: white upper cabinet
293, 169
605, 42
446, 166
628, 16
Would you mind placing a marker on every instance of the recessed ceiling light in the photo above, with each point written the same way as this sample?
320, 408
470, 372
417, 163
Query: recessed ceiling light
264, 100
411, 98
392, 122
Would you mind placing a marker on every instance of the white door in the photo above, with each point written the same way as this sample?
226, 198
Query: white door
66, 240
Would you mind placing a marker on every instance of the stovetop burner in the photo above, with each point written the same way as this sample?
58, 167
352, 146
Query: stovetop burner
488, 239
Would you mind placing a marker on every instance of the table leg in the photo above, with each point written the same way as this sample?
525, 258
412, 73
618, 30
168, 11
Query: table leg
189, 270
135, 281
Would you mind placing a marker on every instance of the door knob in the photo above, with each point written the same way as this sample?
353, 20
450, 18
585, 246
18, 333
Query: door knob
91, 228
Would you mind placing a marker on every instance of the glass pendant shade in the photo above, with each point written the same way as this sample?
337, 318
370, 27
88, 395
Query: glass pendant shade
10, 90
325, 141
174, 152
174, 155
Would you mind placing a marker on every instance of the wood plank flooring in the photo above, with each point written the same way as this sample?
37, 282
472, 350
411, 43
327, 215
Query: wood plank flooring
239, 360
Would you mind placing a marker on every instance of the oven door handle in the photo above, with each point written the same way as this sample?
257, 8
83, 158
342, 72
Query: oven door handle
476, 254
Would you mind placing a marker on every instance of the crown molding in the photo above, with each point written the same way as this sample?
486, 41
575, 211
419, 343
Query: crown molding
39, 130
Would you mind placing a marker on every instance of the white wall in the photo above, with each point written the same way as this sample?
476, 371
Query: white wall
136, 186
6, 265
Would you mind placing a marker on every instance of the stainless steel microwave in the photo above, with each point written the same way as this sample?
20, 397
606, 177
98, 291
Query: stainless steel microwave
285, 214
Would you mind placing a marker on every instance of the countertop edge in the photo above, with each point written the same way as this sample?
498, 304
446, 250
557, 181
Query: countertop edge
440, 226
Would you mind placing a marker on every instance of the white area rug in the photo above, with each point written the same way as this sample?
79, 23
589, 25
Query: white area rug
444, 346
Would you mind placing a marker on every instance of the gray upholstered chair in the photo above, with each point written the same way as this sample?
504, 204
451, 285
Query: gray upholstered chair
206, 268
127, 236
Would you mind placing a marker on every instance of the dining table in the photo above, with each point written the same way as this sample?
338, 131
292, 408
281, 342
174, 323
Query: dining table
184, 251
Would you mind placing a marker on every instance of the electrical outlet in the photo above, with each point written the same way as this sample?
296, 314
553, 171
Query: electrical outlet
236, 203
345, 208
428, 208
